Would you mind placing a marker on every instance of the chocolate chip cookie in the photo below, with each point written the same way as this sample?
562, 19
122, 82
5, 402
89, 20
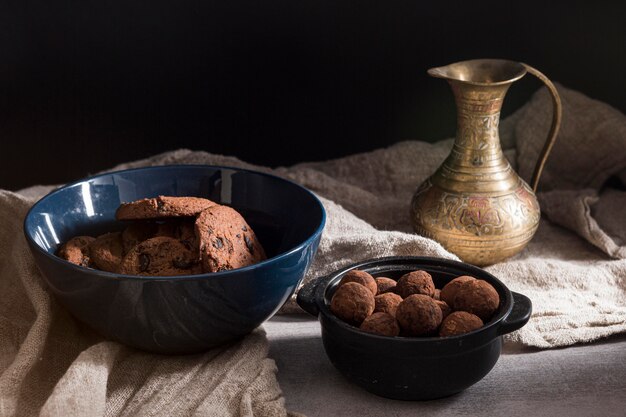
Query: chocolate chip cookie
76, 250
160, 256
162, 207
226, 240
107, 251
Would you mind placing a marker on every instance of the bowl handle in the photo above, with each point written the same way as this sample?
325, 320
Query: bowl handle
519, 316
308, 292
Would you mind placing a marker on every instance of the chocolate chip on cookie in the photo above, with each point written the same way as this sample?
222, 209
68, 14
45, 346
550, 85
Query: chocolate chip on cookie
107, 251
137, 233
76, 250
162, 207
226, 240
182, 229
160, 256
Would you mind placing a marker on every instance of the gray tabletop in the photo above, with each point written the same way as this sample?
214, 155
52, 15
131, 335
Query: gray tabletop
582, 380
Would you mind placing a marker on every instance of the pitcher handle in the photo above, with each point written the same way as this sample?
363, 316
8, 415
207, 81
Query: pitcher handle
554, 129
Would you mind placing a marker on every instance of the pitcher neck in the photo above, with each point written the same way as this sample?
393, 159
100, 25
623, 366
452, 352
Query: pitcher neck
478, 115
476, 157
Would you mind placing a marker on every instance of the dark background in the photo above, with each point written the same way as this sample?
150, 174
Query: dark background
87, 84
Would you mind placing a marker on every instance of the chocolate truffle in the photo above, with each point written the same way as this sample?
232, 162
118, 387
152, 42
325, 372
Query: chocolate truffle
416, 282
387, 303
448, 292
445, 308
459, 322
385, 284
418, 314
352, 303
382, 324
477, 297
362, 278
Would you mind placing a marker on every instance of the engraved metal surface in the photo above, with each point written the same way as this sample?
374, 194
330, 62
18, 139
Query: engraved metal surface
475, 205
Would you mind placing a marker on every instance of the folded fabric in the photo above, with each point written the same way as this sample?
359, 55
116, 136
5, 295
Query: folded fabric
574, 271
52, 365
577, 291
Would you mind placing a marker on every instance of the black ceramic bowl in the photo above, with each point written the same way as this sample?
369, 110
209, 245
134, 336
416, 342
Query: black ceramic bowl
180, 314
414, 368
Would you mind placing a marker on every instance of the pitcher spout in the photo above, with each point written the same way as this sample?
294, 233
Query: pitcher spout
482, 72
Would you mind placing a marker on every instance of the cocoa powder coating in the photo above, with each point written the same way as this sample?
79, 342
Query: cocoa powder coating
362, 278
382, 324
418, 314
385, 284
445, 308
387, 303
459, 322
448, 292
477, 297
416, 282
412, 306
352, 303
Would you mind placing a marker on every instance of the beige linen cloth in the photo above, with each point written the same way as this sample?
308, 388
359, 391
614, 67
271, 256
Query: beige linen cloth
51, 365
574, 270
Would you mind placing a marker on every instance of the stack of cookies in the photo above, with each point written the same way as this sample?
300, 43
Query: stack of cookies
170, 236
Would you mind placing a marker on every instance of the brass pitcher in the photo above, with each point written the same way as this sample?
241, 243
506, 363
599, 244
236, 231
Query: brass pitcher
475, 205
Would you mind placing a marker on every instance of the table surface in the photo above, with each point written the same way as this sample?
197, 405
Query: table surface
581, 380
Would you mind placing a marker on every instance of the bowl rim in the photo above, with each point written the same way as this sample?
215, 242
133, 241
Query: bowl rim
503, 312
207, 275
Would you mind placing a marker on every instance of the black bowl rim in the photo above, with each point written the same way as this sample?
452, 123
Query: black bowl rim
503, 312
208, 275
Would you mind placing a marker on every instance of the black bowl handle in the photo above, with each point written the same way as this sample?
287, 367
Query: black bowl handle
519, 316
308, 293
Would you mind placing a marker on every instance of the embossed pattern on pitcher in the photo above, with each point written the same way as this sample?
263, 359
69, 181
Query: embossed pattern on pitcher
473, 226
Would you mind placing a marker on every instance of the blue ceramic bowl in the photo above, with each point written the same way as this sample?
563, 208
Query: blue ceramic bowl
181, 314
